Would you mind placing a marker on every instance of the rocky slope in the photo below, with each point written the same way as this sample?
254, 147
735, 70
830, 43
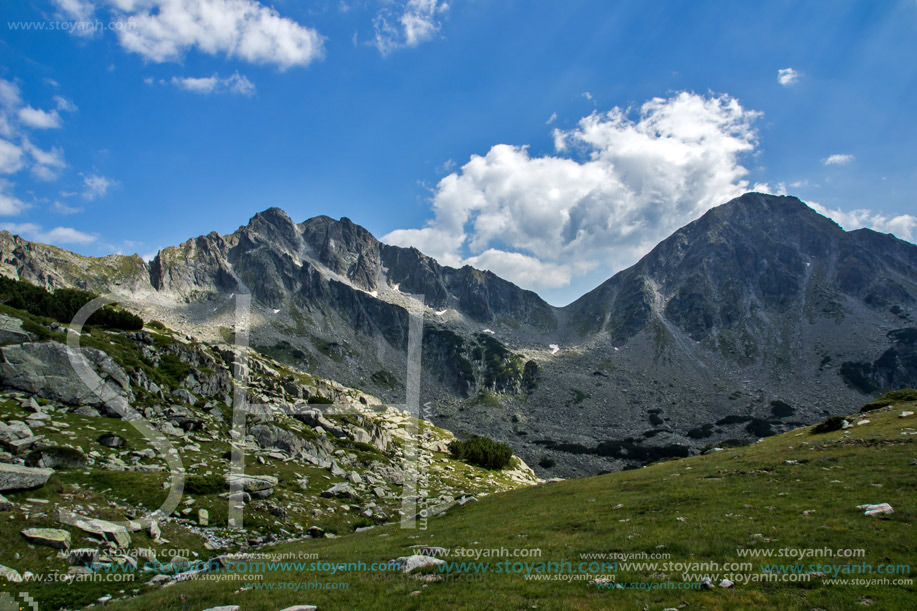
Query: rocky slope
97, 436
759, 316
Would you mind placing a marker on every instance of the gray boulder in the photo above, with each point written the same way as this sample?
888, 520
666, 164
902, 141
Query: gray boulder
52, 537
56, 457
340, 491
16, 477
253, 483
11, 331
45, 369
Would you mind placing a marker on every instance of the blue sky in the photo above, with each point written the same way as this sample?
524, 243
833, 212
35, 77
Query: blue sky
552, 142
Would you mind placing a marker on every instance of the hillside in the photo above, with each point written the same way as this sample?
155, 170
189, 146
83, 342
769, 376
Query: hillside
795, 493
758, 317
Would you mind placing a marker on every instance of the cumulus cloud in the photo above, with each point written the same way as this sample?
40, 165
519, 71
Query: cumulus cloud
902, 225
837, 159
407, 24
787, 76
9, 204
39, 119
619, 182
58, 235
96, 186
164, 30
11, 157
235, 83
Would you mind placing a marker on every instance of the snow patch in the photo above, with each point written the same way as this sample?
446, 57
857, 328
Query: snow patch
440, 312
554, 348
489, 331
276, 311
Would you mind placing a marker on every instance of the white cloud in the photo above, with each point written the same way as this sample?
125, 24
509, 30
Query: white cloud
642, 175
838, 160
10, 157
587, 95
522, 269
39, 119
407, 24
164, 30
9, 204
902, 225
235, 83
551, 119
47, 164
787, 76
64, 105
58, 235
96, 186
61, 208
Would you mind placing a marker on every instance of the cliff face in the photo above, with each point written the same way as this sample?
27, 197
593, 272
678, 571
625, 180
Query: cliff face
760, 302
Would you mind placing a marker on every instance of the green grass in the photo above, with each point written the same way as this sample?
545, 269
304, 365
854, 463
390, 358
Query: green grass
738, 498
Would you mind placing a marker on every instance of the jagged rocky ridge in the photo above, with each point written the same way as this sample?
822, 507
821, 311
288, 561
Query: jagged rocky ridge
757, 317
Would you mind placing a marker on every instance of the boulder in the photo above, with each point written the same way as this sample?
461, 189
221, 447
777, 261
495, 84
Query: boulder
11, 331
6, 504
340, 490
56, 457
52, 537
270, 436
416, 561
84, 556
16, 477
876, 510
45, 369
110, 440
11, 575
253, 483
114, 533
203, 517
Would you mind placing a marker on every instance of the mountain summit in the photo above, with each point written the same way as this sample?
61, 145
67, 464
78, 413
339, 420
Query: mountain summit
758, 316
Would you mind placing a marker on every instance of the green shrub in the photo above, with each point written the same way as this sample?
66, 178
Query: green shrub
890, 398
834, 423
205, 484
319, 399
546, 462
482, 451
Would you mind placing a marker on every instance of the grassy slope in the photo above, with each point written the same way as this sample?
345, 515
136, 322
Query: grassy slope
738, 498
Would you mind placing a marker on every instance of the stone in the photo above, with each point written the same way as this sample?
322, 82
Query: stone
354, 478
84, 556
85, 410
315, 532
45, 369
301, 608
253, 483
905, 414
153, 530
340, 490
114, 533
224, 608
416, 561
726, 584
11, 575
11, 331
56, 457
877, 510
110, 440
16, 477
52, 537
6, 504
203, 517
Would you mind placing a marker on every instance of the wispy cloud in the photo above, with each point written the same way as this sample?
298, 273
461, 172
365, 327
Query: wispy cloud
551, 119
61, 208
235, 83
407, 24
96, 186
838, 159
